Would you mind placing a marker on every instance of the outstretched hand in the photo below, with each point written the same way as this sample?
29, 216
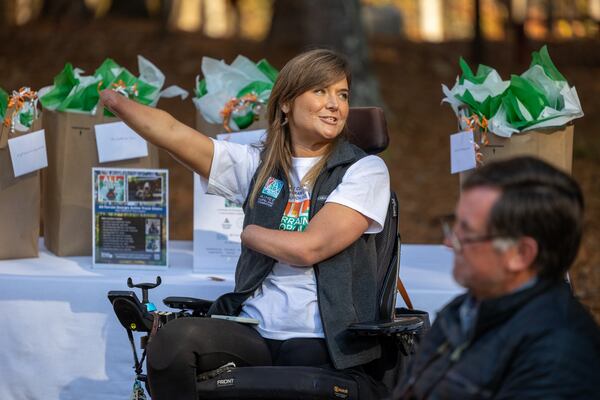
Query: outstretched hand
161, 129
111, 100
139, 117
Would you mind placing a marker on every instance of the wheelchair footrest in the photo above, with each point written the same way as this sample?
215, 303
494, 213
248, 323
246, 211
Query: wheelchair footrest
279, 383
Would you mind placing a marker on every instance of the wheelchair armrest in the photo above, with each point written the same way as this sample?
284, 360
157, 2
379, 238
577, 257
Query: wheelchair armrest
132, 314
198, 306
393, 327
401, 312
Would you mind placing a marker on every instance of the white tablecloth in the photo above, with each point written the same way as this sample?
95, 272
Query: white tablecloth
61, 340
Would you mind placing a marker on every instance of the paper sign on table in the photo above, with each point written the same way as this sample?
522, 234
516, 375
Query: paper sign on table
218, 222
28, 152
131, 218
117, 141
462, 152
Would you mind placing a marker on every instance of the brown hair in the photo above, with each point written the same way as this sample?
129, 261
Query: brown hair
307, 71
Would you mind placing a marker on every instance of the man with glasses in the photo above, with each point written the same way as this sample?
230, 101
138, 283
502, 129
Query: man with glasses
517, 333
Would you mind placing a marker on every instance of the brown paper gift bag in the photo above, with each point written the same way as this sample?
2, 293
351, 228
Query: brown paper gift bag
67, 182
553, 145
19, 203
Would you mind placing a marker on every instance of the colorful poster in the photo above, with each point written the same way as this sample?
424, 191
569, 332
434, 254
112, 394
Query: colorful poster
131, 218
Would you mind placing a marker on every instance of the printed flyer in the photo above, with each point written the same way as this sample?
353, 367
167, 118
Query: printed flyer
131, 217
218, 222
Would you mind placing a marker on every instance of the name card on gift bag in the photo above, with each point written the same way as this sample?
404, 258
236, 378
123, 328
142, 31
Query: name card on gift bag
116, 141
462, 152
28, 153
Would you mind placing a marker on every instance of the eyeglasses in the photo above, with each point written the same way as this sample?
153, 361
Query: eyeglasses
458, 244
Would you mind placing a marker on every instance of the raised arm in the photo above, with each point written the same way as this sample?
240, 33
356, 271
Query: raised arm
189, 146
330, 231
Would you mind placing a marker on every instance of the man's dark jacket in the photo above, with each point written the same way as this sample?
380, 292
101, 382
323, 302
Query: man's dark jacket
539, 343
346, 283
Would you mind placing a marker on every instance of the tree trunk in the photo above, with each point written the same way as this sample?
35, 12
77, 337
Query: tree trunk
517, 16
334, 24
129, 8
5, 20
477, 49
59, 9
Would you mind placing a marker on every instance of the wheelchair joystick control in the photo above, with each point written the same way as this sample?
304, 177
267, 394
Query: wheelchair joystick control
150, 307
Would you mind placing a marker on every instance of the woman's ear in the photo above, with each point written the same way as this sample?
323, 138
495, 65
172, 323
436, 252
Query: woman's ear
285, 108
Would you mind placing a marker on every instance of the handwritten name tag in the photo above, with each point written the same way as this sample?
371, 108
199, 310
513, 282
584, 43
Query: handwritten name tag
116, 141
462, 152
28, 152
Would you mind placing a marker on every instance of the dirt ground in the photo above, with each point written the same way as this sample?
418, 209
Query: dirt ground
410, 76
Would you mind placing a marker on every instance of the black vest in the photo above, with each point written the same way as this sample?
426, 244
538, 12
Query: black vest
346, 283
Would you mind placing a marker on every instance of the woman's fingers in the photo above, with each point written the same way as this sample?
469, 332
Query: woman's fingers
110, 99
117, 103
132, 113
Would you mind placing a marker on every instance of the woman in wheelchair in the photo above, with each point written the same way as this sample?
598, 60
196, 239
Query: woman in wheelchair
312, 202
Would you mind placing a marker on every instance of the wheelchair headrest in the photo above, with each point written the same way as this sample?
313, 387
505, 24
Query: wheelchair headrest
366, 127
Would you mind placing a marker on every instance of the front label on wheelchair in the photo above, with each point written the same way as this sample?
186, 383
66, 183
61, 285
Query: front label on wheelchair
225, 382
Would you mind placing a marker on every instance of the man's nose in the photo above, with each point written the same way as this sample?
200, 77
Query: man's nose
447, 242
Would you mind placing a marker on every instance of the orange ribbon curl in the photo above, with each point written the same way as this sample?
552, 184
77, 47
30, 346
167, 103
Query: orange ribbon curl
17, 101
120, 87
474, 123
238, 104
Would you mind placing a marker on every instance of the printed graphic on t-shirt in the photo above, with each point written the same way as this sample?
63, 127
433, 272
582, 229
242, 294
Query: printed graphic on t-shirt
295, 216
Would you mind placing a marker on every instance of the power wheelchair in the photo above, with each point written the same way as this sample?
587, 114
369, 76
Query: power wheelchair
398, 328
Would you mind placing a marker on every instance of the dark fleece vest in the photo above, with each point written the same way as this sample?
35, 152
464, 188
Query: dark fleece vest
346, 283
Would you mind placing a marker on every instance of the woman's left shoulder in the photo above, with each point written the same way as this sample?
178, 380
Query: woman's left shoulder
370, 164
373, 160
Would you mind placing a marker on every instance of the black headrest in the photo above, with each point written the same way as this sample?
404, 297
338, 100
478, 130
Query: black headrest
366, 127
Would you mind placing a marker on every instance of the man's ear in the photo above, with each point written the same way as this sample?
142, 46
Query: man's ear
523, 254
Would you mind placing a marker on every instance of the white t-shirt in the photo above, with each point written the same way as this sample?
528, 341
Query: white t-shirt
286, 303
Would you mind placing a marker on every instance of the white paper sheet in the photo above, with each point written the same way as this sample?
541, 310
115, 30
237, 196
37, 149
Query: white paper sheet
116, 141
462, 152
28, 152
217, 222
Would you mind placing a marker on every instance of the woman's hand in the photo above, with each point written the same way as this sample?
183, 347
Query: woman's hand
330, 231
189, 146
249, 232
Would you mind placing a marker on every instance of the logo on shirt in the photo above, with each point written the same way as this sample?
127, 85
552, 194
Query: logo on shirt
295, 216
272, 187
